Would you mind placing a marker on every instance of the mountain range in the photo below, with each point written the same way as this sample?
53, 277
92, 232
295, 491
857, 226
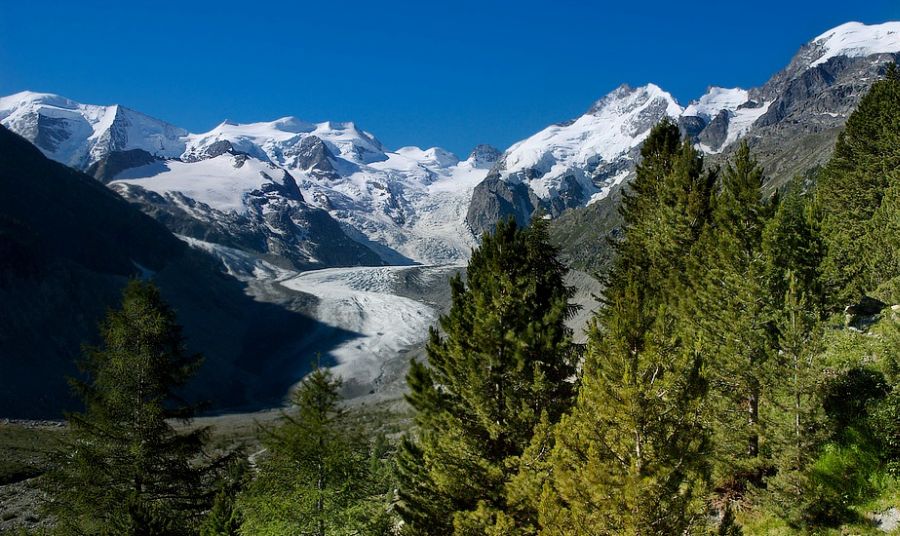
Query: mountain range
285, 196
310, 195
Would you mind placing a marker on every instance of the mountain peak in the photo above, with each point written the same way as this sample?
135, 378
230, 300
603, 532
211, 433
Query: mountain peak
31, 98
484, 155
715, 100
855, 39
625, 98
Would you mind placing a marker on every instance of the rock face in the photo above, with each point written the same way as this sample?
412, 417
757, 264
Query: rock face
118, 161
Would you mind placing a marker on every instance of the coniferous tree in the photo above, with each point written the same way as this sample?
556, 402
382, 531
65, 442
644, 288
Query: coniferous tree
504, 361
796, 414
792, 245
224, 518
125, 470
630, 458
316, 478
665, 209
851, 188
729, 309
883, 243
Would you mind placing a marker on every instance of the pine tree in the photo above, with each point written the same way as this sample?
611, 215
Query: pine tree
665, 209
125, 470
727, 306
851, 188
504, 360
796, 414
316, 478
792, 245
882, 244
630, 458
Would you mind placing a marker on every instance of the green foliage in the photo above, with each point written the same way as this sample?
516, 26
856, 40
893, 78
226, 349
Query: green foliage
840, 478
796, 416
632, 456
849, 396
504, 360
665, 211
791, 244
224, 519
317, 477
885, 422
850, 192
729, 306
123, 469
728, 526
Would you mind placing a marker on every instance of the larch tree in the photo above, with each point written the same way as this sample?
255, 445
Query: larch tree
316, 477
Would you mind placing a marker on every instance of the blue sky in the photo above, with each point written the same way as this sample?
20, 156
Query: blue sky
413, 73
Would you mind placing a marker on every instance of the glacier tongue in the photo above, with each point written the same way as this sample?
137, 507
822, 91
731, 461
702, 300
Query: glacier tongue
363, 301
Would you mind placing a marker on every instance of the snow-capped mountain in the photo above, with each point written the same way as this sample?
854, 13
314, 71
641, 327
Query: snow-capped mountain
408, 205
258, 186
578, 162
277, 188
568, 164
78, 134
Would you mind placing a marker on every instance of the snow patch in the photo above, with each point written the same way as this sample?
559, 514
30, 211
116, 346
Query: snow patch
715, 100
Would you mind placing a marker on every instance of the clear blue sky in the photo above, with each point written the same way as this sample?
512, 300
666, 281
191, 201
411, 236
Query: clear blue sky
413, 73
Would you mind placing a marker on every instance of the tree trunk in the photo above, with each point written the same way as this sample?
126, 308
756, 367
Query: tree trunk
753, 422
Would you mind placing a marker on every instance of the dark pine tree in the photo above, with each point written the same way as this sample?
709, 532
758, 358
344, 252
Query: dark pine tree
124, 468
502, 360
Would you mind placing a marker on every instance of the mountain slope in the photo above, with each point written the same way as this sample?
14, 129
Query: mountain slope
68, 246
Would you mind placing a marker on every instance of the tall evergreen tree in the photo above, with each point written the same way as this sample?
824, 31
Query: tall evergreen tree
125, 470
665, 209
792, 245
316, 478
630, 458
503, 359
796, 413
851, 188
728, 308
